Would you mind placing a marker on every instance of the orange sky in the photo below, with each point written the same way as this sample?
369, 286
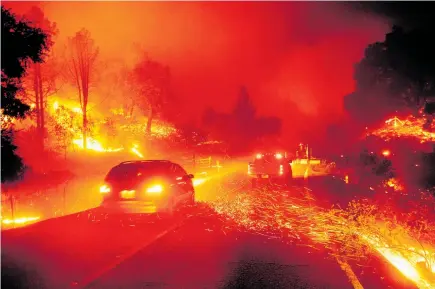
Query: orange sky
284, 52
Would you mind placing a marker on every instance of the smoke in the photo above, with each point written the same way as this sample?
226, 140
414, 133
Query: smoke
295, 58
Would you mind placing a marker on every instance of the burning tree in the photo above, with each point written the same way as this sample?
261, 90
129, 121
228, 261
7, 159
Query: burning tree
152, 82
63, 129
81, 63
21, 44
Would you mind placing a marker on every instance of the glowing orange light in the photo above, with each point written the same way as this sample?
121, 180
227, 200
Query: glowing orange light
135, 150
104, 189
93, 144
386, 153
20, 220
278, 156
259, 156
197, 182
281, 169
156, 189
56, 105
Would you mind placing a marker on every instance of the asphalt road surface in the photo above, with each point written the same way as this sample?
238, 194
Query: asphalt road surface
198, 248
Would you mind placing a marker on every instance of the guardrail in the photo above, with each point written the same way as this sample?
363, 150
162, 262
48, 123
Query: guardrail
200, 164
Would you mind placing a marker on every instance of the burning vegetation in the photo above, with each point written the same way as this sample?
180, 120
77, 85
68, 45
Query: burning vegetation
58, 94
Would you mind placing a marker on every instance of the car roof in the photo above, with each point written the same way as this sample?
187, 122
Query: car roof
146, 162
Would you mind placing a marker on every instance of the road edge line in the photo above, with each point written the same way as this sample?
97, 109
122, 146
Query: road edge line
99, 273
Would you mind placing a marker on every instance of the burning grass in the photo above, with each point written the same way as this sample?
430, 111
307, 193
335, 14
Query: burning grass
411, 127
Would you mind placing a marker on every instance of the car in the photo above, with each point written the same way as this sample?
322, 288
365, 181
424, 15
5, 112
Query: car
272, 167
147, 186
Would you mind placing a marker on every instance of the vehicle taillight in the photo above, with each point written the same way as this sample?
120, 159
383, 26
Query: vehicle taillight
259, 156
278, 156
249, 169
155, 189
104, 189
281, 169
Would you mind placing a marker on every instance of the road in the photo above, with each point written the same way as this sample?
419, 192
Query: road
198, 248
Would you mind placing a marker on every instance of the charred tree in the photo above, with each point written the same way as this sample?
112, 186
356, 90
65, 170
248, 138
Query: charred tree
81, 63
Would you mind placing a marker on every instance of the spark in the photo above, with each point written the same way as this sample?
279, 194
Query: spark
350, 233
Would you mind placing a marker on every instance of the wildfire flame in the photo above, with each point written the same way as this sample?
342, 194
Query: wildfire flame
410, 127
20, 221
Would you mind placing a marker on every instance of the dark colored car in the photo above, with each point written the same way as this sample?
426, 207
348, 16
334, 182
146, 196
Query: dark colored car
147, 186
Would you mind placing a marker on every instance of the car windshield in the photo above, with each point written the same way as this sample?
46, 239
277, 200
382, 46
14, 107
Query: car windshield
135, 170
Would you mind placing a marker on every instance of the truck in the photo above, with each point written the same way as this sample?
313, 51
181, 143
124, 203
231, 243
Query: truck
271, 167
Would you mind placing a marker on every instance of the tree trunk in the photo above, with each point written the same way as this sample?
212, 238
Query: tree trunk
41, 105
37, 102
85, 128
149, 121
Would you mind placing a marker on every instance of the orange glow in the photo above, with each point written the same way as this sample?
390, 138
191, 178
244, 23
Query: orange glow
93, 144
156, 189
197, 182
406, 265
56, 105
386, 153
104, 189
278, 156
410, 127
135, 150
259, 156
20, 221
395, 184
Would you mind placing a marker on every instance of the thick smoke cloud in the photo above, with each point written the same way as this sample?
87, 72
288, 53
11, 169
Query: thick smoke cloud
296, 59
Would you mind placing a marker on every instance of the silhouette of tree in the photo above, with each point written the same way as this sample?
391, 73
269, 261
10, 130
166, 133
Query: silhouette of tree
40, 82
152, 80
20, 44
244, 110
81, 63
396, 74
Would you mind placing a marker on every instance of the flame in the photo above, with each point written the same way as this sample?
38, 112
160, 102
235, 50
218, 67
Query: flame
407, 266
410, 127
56, 105
135, 150
92, 144
20, 221
395, 184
